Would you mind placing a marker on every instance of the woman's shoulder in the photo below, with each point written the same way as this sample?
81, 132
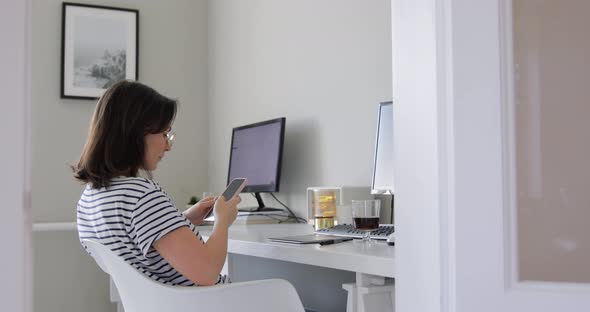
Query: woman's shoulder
131, 187
136, 183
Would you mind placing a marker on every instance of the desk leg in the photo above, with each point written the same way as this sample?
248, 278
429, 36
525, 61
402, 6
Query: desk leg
370, 293
351, 299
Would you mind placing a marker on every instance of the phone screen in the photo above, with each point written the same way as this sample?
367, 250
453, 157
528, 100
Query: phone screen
234, 186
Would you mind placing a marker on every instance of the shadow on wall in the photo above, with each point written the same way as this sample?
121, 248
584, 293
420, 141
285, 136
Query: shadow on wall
65, 277
302, 160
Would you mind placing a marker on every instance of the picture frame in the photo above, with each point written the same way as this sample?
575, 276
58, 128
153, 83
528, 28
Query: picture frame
99, 47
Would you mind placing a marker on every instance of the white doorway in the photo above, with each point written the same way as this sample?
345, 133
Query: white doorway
456, 153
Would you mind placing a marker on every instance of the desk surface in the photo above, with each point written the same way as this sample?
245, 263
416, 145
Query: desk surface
252, 240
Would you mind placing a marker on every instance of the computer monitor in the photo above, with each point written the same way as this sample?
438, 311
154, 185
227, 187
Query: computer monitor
383, 161
256, 153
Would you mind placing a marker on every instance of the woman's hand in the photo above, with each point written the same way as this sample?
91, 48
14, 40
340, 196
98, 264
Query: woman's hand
198, 211
226, 211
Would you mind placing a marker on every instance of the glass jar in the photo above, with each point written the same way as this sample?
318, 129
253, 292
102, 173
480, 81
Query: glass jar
323, 207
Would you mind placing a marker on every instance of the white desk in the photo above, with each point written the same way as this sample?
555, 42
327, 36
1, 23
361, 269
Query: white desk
371, 262
252, 240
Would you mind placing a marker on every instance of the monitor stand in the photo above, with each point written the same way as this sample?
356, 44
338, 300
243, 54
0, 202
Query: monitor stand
261, 207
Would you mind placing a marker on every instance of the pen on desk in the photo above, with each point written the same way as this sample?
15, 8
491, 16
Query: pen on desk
334, 241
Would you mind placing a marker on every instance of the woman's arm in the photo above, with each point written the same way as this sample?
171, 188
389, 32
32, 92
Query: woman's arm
201, 263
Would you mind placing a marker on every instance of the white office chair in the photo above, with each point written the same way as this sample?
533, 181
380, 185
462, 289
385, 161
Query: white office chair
140, 293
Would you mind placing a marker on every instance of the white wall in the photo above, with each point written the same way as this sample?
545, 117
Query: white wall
324, 65
172, 59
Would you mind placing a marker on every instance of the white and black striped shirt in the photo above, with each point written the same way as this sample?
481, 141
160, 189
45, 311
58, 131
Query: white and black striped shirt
129, 216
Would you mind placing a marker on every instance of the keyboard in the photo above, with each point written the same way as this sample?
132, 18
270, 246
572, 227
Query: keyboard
348, 230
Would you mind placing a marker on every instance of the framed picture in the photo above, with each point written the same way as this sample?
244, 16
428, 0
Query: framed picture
99, 48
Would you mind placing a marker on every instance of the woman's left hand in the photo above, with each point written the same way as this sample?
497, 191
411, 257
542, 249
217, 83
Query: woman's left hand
198, 211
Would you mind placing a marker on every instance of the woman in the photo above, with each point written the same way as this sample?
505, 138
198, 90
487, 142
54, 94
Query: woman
130, 133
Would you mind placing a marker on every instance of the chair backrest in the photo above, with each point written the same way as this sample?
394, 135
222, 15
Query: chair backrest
140, 293
130, 282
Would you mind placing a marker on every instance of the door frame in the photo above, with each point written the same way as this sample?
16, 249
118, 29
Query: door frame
15, 224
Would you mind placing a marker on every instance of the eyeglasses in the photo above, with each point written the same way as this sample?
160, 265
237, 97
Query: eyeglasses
170, 138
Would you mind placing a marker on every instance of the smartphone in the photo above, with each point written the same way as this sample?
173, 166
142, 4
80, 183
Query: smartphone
233, 188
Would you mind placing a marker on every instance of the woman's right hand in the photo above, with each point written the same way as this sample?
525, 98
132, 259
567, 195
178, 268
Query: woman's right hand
226, 211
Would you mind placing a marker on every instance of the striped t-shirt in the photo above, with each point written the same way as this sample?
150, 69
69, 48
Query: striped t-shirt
129, 216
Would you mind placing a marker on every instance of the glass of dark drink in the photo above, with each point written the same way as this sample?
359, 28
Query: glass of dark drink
365, 214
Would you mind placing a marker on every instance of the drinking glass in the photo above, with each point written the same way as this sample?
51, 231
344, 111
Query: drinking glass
365, 214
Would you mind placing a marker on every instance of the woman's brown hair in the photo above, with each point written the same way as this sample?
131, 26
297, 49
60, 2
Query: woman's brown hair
124, 114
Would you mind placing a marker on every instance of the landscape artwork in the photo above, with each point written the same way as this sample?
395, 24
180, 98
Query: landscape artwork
99, 49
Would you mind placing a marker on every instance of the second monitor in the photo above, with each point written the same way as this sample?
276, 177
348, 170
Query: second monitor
256, 154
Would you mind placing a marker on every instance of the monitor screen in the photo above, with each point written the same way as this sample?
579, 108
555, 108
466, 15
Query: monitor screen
255, 154
383, 161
